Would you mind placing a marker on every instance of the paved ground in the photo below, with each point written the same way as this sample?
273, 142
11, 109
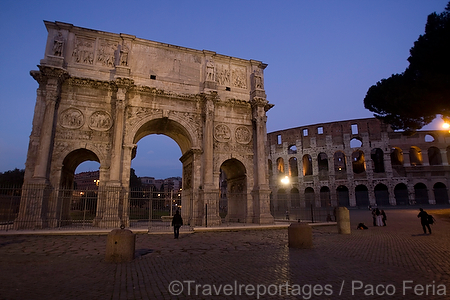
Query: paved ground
394, 262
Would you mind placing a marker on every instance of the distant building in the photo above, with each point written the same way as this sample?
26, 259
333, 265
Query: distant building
87, 180
147, 181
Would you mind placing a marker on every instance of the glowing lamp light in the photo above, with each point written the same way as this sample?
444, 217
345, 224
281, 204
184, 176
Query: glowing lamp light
285, 180
446, 125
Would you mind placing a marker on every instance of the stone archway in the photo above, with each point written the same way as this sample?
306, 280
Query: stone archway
237, 196
104, 92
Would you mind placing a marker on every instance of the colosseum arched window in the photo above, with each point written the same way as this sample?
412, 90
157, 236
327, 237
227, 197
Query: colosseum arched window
325, 199
396, 156
307, 165
280, 166
421, 193
362, 196
293, 167
282, 199
434, 156
401, 194
292, 149
343, 197
339, 162
355, 143
322, 161
295, 197
381, 194
415, 156
309, 197
440, 193
358, 162
377, 156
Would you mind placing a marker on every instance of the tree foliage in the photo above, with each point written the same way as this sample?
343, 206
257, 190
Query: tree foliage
12, 178
135, 182
412, 99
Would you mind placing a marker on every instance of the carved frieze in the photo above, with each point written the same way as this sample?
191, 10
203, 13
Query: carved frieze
239, 78
71, 118
84, 82
192, 119
222, 133
100, 120
243, 135
83, 51
223, 75
141, 112
233, 148
106, 53
74, 135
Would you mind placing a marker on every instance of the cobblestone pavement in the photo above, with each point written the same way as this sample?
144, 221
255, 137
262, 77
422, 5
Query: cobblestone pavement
394, 262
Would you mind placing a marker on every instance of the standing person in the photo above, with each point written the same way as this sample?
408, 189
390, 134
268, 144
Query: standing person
379, 217
384, 218
177, 222
424, 221
374, 217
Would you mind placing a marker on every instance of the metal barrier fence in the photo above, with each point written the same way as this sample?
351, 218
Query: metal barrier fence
84, 209
9, 206
146, 209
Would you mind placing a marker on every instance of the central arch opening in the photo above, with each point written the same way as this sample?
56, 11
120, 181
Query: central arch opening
158, 192
233, 180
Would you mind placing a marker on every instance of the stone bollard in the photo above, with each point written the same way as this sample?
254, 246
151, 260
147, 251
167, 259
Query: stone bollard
120, 246
343, 220
300, 235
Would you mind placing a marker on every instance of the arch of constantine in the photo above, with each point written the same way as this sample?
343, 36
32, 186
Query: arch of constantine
100, 93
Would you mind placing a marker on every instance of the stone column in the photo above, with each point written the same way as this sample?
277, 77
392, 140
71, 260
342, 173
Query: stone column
261, 190
116, 156
36, 190
209, 193
51, 78
113, 191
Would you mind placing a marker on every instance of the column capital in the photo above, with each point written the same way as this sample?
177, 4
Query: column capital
261, 102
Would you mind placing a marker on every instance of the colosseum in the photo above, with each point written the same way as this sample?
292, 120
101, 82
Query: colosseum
357, 163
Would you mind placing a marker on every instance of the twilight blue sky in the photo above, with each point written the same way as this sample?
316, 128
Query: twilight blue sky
322, 55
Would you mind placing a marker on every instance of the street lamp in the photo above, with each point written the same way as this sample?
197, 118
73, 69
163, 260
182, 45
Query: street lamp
285, 180
446, 124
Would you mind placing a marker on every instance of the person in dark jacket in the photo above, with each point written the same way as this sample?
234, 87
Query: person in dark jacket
177, 222
424, 220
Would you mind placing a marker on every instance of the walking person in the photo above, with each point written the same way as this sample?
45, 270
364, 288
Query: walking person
177, 222
424, 221
384, 218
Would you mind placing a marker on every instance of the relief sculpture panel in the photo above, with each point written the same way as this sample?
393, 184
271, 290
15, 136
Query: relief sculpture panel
83, 51
71, 118
222, 133
100, 120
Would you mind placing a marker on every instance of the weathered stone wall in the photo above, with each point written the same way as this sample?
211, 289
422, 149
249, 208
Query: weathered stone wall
371, 141
100, 93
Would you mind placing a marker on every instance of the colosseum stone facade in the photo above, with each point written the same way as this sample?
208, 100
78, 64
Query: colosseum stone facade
357, 163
